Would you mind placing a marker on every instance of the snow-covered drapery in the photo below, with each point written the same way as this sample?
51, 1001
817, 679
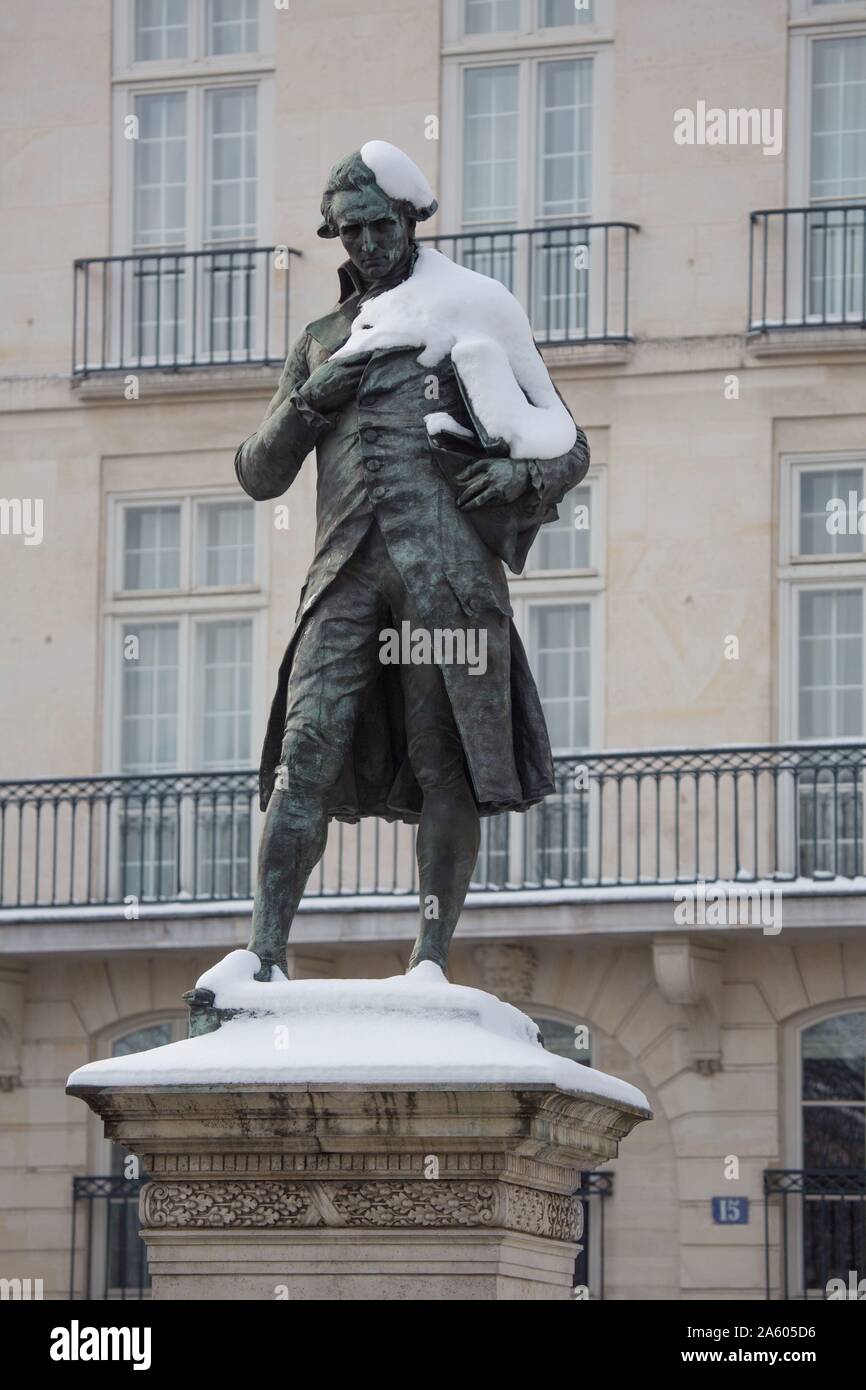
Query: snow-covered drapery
444, 308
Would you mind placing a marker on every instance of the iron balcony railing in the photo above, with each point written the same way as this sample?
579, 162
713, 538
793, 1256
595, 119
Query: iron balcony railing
572, 279
107, 1257
616, 819
807, 267
167, 310
819, 1235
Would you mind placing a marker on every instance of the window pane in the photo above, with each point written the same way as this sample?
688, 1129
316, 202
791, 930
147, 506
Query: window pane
833, 1136
556, 13
565, 138
225, 544
160, 29
231, 194
149, 697
564, 544
839, 118
491, 16
159, 196
821, 493
559, 646
490, 144
834, 1058
559, 1038
224, 679
232, 26
151, 548
141, 1040
830, 653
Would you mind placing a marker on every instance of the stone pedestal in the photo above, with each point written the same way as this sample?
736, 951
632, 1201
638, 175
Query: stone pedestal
358, 1139
312, 1192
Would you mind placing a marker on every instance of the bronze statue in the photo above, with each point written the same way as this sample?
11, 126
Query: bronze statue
350, 735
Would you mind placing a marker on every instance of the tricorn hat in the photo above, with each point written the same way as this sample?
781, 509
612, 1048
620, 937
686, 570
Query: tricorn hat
398, 177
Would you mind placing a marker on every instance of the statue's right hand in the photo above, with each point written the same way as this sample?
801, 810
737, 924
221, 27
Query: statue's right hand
334, 384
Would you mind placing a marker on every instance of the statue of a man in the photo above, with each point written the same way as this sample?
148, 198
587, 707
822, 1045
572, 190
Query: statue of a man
397, 542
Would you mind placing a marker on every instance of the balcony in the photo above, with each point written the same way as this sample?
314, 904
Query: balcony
168, 310
820, 1235
618, 822
807, 268
572, 280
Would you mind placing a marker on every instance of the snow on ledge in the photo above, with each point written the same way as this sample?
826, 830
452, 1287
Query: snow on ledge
414, 1029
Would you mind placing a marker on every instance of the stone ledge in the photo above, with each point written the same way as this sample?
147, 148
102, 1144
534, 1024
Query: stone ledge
845, 343
155, 385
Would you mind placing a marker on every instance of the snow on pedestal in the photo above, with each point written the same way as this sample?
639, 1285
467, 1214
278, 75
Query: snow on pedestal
408, 1029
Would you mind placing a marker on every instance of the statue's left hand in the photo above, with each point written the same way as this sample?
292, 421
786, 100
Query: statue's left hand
492, 483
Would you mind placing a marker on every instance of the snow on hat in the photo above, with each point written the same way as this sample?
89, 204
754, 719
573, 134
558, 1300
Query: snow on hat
396, 174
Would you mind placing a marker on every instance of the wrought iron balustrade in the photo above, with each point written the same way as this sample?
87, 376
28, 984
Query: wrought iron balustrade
617, 819
167, 310
807, 267
820, 1233
112, 1262
572, 279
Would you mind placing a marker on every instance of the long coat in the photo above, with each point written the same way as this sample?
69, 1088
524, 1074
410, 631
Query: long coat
374, 462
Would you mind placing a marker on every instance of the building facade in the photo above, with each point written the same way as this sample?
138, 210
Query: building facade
677, 193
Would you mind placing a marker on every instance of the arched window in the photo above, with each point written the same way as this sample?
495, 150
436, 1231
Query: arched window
572, 1040
833, 1092
833, 1149
115, 1265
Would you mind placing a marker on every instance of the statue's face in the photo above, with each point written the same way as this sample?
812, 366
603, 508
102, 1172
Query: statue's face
374, 233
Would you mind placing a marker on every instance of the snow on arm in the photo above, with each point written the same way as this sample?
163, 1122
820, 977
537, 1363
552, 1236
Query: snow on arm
444, 308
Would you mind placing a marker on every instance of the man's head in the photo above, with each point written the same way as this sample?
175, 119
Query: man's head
372, 201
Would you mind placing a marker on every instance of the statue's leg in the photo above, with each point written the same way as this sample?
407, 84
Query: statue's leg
449, 834
335, 661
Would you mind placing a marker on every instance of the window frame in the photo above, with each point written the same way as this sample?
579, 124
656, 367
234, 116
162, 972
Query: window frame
194, 76
799, 573
536, 588
807, 26
792, 1105
125, 64
527, 51
529, 27
189, 607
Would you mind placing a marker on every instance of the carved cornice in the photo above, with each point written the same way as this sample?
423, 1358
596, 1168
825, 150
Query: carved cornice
265, 1204
333, 1165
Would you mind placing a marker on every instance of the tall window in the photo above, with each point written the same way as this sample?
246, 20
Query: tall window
837, 174
825, 580
509, 16
526, 183
187, 178
833, 1127
184, 609
557, 606
496, 188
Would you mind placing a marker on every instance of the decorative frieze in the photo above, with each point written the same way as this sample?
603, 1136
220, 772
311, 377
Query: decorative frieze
388, 1203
